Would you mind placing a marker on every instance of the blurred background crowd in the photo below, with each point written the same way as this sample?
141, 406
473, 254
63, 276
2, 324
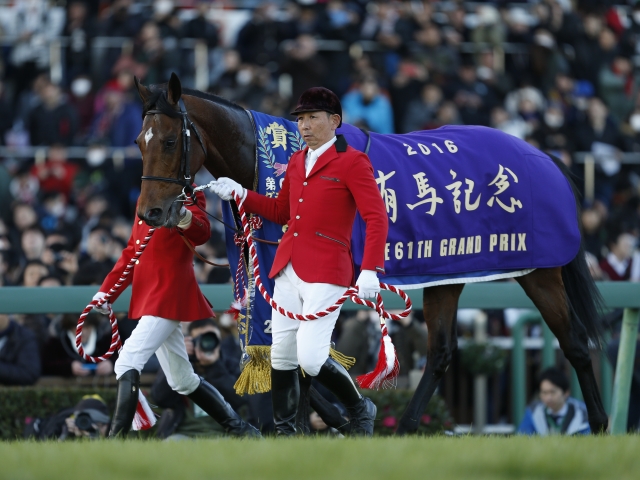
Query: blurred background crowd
561, 74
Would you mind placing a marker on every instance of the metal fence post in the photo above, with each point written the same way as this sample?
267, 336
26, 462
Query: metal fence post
548, 347
480, 381
518, 366
624, 370
201, 56
606, 376
589, 178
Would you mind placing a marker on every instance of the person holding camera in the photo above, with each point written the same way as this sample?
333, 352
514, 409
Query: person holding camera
324, 185
89, 418
164, 293
185, 418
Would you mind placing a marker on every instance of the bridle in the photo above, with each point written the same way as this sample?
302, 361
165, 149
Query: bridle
185, 164
185, 172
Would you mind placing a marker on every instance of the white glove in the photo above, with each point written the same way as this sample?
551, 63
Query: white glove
225, 188
368, 284
103, 309
185, 218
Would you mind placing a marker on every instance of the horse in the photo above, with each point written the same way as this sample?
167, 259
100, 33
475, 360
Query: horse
565, 295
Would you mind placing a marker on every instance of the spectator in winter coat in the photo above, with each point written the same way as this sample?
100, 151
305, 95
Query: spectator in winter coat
556, 413
19, 355
368, 104
54, 120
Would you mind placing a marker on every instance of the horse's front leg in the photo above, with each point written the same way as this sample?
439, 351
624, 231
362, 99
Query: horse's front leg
440, 307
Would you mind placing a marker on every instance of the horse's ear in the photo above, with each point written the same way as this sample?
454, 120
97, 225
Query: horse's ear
143, 91
174, 89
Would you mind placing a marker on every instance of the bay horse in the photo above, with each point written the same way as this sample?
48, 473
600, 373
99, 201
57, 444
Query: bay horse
565, 295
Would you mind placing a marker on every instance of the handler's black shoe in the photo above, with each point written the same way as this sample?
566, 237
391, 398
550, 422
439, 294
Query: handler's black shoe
362, 411
303, 426
362, 417
211, 401
285, 395
126, 403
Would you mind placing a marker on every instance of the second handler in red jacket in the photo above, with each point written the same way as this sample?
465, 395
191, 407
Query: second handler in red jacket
164, 293
324, 185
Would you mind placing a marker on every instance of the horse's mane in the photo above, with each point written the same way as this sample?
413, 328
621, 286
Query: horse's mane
158, 100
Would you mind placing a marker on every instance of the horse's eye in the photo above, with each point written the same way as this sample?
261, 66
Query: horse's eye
170, 143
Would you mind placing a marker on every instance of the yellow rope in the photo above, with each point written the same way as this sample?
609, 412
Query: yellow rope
342, 359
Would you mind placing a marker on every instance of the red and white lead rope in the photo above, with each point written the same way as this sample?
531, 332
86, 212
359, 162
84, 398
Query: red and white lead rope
144, 417
387, 367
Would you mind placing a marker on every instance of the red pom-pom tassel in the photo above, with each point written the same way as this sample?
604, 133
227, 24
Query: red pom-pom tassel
387, 369
144, 418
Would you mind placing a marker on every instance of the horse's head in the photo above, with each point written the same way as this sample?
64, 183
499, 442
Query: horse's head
168, 159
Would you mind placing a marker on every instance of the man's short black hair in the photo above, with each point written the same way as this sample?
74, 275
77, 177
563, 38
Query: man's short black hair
556, 377
205, 322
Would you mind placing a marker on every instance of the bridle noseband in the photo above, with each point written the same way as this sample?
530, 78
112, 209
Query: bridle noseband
185, 165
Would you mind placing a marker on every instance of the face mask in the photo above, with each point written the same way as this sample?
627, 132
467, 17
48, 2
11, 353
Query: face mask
80, 87
57, 209
95, 157
484, 73
163, 7
634, 121
553, 120
244, 77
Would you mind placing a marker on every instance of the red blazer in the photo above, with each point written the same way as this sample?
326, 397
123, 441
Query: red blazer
319, 212
164, 282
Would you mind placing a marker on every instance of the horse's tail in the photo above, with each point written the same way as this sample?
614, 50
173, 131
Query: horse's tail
585, 301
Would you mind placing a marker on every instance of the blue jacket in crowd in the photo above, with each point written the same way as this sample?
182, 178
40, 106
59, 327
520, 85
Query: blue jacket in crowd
574, 420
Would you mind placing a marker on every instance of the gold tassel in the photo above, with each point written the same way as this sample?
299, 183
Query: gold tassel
256, 374
342, 359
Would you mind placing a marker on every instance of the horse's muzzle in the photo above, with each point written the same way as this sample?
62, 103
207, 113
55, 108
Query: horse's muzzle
154, 217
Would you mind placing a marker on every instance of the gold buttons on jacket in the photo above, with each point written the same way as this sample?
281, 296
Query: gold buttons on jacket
304, 183
297, 217
137, 242
300, 200
295, 234
137, 262
140, 222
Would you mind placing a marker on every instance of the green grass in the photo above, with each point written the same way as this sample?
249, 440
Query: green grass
428, 458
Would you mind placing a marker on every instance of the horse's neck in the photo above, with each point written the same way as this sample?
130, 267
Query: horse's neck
229, 139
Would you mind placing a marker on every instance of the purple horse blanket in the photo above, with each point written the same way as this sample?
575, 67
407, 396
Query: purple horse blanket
467, 204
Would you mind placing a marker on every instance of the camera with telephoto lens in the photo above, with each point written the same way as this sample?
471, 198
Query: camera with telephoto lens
84, 422
207, 342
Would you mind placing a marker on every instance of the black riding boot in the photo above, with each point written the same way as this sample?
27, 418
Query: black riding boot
211, 401
285, 394
302, 417
362, 411
126, 403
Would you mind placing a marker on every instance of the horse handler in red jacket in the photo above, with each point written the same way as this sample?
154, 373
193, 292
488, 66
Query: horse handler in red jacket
324, 185
164, 293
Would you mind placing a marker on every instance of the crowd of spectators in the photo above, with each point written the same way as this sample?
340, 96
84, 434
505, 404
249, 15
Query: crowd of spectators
560, 77
560, 74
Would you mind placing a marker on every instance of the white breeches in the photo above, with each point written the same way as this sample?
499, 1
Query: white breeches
297, 342
164, 338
